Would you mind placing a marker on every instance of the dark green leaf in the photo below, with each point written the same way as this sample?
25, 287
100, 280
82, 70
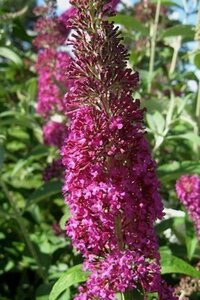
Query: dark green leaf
164, 225
172, 171
2, 156
191, 238
47, 190
73, 276
42, 292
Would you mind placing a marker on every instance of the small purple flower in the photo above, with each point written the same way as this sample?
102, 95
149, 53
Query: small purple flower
67, 15
188, 191
55, 133
55, 170
113, 4
50, 32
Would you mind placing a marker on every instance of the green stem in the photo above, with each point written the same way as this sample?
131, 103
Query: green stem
170, 113
153, 45
175, 55
127, 296
198, 107
24, 231
197, 131
122, 296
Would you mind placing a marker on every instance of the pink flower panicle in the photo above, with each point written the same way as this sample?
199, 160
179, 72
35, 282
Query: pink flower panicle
51, 32
54, 133
111, 185
51, 62
52, 82
55, 170
188, 191
51, 66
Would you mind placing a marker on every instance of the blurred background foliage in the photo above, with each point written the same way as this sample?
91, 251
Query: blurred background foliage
35, 252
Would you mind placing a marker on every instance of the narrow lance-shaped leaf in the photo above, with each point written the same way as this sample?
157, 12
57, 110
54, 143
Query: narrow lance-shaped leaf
47, 190
11, 55
130, 23
73, 276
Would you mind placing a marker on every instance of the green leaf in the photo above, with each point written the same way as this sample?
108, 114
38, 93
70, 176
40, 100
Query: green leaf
192, 137
18, 133
11, 55
17, 14
47, 190
173, 264
18, 166
21, 120
176, 224
197, 60
168, 3
130, 23
156, 122
186, 31
172, 171
2, 156
42, 292
15, 146
73, 276
168, 223
191, 238
65, 296
39, 151
32, 88
64, 219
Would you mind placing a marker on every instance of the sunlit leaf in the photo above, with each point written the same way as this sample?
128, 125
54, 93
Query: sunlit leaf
192, 137
73, 276
64, 219
186, 31
11, 55
173, 264
191, 238
197, 60
130, 23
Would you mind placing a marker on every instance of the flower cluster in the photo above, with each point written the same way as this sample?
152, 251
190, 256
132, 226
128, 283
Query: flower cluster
54, 133
111, 185
52, 82
51, 66
188, 285
188, 191
51, 32
54, 170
